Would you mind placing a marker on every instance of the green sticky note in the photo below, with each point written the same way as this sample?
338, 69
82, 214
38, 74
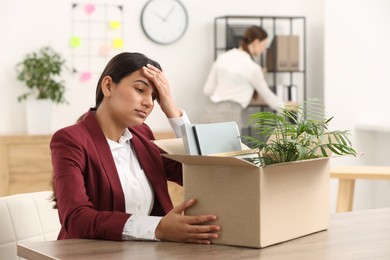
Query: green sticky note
75, 42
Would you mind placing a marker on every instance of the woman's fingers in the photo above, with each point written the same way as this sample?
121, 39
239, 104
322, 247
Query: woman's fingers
194, 223
154, 72
203, 231
204, 242
184, 205
158, 78
150, 66
149, 72
164, 98
193, 229
201, 237
193, 219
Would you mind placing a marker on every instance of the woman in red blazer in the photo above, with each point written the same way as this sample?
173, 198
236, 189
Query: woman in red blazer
92, 188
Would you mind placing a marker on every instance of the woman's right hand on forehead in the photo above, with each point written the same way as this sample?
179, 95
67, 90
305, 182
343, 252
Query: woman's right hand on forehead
164, 93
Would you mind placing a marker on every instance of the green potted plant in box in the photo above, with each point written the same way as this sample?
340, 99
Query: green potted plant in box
40, 72
296, 134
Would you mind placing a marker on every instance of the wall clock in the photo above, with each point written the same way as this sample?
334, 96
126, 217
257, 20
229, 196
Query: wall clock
164, 21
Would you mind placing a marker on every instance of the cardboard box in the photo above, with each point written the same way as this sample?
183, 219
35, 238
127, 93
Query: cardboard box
256, 206
283, 53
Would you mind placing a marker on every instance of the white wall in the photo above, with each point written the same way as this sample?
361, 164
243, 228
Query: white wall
356, 63
27, 25
356, 54
357, 88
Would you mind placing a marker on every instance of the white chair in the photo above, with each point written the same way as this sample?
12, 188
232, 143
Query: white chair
26, 217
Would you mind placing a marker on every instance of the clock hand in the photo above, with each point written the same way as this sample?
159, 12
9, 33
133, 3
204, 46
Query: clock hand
163, 19
169, 13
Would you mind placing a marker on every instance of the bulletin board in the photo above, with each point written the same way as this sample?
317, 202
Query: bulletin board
96, 36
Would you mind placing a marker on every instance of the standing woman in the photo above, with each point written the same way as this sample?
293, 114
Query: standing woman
110, 180
235, 77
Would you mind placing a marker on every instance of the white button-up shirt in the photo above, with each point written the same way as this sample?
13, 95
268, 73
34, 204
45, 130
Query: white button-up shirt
139, 195
234, 76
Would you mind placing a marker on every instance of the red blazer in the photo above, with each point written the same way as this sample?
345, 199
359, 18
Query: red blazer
89, 193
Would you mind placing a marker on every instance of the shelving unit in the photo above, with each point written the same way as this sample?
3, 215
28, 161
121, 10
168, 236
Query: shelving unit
228, 31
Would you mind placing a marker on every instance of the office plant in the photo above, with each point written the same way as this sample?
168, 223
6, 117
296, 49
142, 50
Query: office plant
40, 71
296, 133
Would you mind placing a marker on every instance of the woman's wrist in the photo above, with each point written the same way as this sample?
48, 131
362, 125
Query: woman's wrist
174, 113
171, 111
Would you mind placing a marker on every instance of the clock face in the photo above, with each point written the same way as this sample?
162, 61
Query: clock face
164, 21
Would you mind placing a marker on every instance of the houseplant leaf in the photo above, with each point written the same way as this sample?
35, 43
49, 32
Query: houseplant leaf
297, 134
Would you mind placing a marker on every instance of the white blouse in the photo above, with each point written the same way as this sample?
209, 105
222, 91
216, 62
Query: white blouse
139, 195
234, 76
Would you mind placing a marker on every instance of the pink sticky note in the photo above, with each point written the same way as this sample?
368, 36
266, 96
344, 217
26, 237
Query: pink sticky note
105, 50
89, 8
85, 76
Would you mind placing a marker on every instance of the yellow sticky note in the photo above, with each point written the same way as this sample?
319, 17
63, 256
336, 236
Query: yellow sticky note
117, 43
75, 42
115, 25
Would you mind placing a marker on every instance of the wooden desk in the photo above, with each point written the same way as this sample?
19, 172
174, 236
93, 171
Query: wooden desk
347, 176
352, 235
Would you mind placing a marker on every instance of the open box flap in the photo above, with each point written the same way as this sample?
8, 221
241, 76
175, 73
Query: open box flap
175, 149
176, 146
171, 146
209, 160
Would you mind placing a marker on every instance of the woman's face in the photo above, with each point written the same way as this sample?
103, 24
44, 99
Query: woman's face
132, 99
259, 47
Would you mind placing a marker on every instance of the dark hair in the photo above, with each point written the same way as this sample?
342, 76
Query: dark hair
252, 33
121, 66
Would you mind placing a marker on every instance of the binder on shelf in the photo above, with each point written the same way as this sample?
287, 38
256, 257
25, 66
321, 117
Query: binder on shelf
292, 93
287, 92
293, 53
280, 91
283, 53
204, 139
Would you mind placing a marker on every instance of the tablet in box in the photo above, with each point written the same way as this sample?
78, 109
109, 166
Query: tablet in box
204, 139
